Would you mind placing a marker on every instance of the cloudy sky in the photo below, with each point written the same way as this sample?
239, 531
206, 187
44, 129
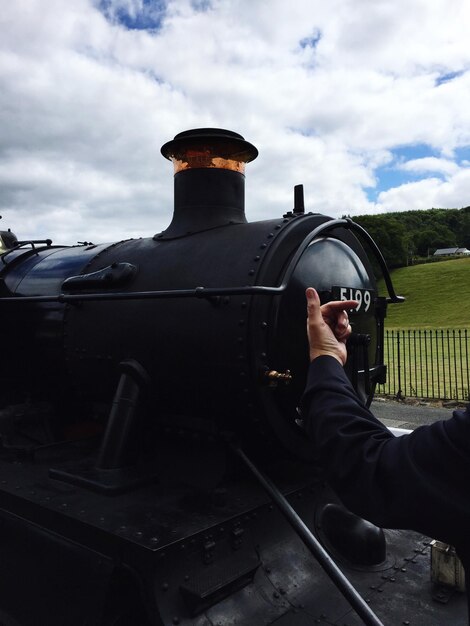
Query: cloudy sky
365, 102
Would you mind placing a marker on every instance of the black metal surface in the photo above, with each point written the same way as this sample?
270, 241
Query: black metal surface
206, 199
116, 275
63, 583
201, 291
225, 142
118, 446
234, 561
299, 203
320, 554
148, 520
91, 340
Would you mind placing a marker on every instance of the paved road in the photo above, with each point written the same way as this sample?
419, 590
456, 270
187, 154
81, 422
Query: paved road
401, 415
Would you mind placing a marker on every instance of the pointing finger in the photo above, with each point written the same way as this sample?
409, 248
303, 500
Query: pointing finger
336, 306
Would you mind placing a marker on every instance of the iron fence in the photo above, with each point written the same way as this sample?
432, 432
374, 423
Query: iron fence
432, 364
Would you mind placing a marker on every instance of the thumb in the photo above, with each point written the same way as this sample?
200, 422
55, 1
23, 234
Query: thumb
313, 305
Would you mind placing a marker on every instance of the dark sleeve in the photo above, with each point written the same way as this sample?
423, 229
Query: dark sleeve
419, 481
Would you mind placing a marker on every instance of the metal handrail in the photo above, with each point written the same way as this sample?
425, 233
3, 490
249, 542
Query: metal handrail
211, 292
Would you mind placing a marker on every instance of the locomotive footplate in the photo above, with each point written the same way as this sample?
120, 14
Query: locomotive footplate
180, 555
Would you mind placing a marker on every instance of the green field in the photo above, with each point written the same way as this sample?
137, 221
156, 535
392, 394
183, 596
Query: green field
428, 363
427, 343
437, 296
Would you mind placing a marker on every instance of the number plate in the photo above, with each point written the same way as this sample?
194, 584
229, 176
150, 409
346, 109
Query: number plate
365, 297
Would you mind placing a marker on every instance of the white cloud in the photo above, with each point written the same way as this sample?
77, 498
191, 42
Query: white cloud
429, 164
453, 192
85, 104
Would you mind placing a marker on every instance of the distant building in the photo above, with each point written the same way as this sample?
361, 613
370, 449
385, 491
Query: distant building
451, 251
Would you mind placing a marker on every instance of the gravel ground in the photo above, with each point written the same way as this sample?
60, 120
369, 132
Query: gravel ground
398, 414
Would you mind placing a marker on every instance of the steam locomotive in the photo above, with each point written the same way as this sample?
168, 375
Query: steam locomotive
148, 421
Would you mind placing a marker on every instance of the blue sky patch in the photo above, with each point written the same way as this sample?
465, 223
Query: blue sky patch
414, 151
201, 5
389, 175
311, 41
445, 78
387, 178
137, 15
462, 154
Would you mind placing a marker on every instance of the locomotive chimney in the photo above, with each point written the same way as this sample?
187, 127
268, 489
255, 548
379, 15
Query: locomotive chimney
209, 179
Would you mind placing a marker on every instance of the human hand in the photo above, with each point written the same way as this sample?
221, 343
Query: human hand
328, 326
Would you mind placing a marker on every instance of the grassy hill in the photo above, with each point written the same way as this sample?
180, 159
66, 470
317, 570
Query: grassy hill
437, 296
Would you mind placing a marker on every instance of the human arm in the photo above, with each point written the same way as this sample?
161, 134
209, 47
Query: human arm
419, 481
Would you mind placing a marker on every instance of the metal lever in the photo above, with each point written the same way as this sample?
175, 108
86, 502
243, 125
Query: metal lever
116, 448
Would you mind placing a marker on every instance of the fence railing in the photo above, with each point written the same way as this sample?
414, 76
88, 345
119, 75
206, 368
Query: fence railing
431, 364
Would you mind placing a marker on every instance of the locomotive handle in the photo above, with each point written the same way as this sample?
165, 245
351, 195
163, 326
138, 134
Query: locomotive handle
350, 225
336, 575
379, 256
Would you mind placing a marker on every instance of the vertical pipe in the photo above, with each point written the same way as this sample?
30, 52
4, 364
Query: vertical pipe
387, 343
390, 386
431, 362
460, 395
410, 363
449, 368
426, 362
118, 440
421, 385
455, 364
443, 364
399, 394
403, 351
467, 364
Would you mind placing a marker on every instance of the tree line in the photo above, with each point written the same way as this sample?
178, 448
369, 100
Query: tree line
411, 236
